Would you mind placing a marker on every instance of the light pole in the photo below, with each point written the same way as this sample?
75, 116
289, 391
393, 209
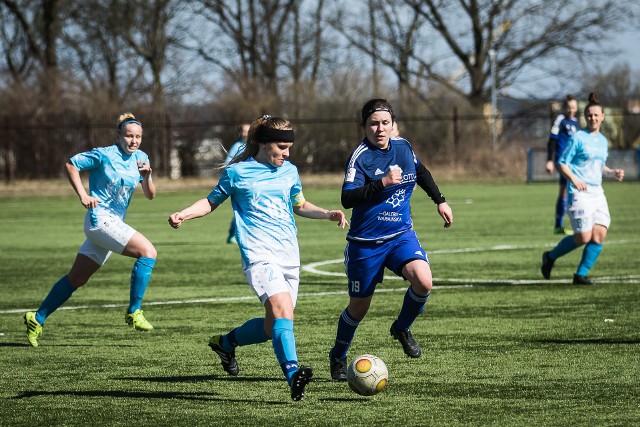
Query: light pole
494, 102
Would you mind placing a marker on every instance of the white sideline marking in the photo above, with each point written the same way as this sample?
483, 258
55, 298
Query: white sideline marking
313, 268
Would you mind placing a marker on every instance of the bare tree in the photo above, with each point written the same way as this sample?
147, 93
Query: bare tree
32, 34
452, 49
108, 70
249, 41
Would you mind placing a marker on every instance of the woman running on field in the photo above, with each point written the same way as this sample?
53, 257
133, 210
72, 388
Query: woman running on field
265, 192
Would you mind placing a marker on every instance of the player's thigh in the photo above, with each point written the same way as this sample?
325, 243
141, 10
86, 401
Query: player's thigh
139, 246
406, 248
588, 209
418, 273
267, 279
364, 265
82, 269
109, 233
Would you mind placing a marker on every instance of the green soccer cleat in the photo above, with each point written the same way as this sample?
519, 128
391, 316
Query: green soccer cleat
34, 329
137, 321
561, 230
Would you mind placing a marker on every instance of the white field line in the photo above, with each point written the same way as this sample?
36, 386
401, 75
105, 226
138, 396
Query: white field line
313, 269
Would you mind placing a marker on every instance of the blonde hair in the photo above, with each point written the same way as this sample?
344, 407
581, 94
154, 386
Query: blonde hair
252, 147
125, 119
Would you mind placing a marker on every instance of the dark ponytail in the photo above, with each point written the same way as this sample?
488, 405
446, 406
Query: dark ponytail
593, 102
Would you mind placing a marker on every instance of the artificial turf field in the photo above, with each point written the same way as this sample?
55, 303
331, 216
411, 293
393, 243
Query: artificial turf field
500, 345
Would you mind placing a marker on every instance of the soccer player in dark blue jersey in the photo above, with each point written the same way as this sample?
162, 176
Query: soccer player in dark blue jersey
381, 175
563, 127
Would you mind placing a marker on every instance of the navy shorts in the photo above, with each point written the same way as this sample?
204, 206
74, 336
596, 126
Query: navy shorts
365, 261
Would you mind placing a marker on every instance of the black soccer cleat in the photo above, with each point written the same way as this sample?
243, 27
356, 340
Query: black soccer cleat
547, 265
300, 379
409, 345
338, 368
581, 280
227, 358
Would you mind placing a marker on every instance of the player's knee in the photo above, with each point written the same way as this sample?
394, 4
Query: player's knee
147, 251
358, 310
423, 287
77, 280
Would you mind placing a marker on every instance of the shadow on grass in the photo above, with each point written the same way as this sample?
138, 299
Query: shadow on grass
589, 341
15, 344
345, 399
199, 378
203, 396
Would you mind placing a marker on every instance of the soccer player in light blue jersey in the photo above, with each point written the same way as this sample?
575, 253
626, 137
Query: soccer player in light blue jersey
236, 149
563, 127
114, 174
265, 192
583, 163
380, 178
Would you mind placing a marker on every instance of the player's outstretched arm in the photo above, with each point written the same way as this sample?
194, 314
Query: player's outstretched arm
199, 209
309, 210
444, 210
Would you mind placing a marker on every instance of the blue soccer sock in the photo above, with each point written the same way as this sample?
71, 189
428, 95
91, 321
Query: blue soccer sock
59, 293
251, 332
565, 246
284, 346
589, 256
347, 326
140, 275
412, 306
561, 210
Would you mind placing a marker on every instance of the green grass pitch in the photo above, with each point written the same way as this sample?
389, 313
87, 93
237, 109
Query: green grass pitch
500, 345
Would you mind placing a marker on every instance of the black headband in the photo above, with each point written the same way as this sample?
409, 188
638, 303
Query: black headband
266, 134
375, 110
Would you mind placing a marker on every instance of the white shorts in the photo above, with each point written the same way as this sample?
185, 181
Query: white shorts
111, 235
267, 279
588, 208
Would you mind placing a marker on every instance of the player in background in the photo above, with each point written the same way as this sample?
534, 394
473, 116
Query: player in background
381, 175
236, 149
265, 192
583, 163
563, 127
114, 174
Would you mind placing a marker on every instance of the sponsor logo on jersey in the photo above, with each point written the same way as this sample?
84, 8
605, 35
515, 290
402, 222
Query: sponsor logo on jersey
351, 175
397, 198
378, 172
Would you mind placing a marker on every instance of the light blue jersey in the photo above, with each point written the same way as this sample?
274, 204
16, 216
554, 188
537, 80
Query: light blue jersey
586, 155
113, 177
262, 197
236, 148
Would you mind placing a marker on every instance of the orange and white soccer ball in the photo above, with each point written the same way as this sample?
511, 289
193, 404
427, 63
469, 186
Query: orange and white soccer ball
367, 375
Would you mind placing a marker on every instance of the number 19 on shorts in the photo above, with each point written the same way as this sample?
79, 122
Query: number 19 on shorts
355, 286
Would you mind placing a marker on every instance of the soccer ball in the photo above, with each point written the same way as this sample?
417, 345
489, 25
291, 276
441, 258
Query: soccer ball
367, 375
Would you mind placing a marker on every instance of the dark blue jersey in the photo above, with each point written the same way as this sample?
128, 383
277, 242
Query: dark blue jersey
386, 215
561, 131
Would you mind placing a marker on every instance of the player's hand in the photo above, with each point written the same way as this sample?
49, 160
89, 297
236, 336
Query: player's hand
444, 210
89, 202
618, 174
394, 176
580, 185
145, 170
550, 167
339, 217
176, 219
